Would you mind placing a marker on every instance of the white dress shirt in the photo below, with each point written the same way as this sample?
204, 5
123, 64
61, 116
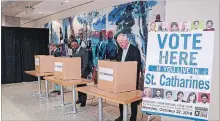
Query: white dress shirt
124, 53
83, 44
53, 52
77, 50
70, 51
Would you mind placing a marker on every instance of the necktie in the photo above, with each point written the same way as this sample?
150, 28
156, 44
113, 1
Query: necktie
52, 52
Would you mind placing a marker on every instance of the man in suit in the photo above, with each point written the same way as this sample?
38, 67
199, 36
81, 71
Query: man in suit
55, 51
79, 51
128, 52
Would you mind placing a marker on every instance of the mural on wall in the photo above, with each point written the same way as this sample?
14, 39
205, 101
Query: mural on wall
67, 34
131, 18
97, 30
55, 31
97, 34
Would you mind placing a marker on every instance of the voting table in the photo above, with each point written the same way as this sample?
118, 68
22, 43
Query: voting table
124, 98
62, 83
38, 75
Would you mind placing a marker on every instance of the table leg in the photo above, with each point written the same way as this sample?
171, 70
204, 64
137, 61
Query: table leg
39, 89
74, 110
62, 95
47, 91
125, 112
74, 99
100, 110
39, 85
62, 99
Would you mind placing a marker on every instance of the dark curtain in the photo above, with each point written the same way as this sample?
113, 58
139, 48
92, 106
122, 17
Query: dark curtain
18, 47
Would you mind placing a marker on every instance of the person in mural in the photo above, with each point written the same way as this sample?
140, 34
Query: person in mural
128, 52
209, 25
66, 36
126, 21
50, 31
63, 44
158, 18
72, 32
89, 49
100, 49
94, 43
61, 35
56, 52
81, 38
162, 27
111, 47
152, 27
79, 51
174, 27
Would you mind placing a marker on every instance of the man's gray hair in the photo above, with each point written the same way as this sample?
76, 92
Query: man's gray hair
123, 34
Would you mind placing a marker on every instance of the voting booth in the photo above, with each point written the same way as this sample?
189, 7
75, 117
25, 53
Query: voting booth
44, 63
117, 76
66, 68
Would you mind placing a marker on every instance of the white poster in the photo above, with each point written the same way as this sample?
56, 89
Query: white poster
37, 61
106, 74
179, 69
58, 66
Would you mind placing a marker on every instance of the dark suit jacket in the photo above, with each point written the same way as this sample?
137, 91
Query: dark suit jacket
133, 54
83, 53
57, 53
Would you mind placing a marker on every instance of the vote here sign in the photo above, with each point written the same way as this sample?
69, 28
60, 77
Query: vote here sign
178, 73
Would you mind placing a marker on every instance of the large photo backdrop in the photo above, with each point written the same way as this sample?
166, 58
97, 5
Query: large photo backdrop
96, 30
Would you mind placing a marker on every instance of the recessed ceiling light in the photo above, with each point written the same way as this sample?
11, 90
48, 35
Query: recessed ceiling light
40, 12
67, 1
